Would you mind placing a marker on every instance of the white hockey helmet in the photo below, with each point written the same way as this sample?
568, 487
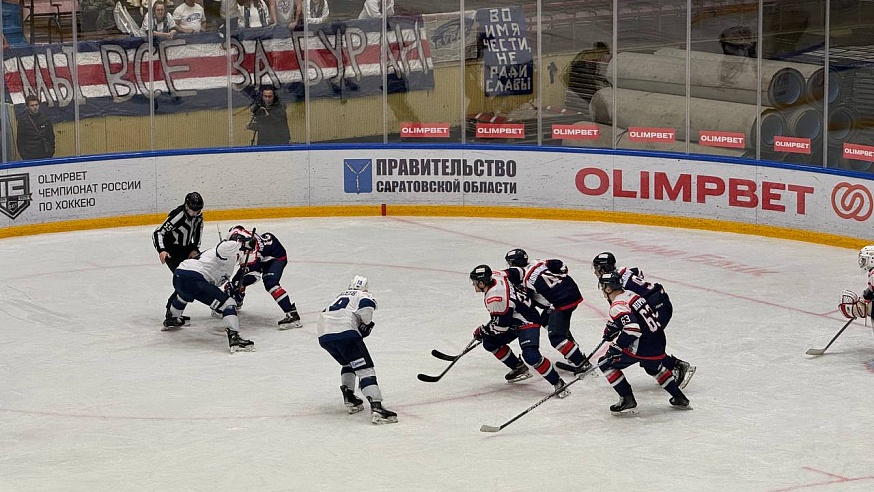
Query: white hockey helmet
866, 258
359, 282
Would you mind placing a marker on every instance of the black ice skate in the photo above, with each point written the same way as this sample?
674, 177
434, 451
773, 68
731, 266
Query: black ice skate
238, 344
291, 320
173, 323
561, 388
683, 373
626, 405
353, 403
380, 415
168, 314
680, 402
519, 373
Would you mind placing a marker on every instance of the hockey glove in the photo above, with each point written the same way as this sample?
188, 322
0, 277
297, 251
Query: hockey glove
611, 331
613, 354
365, 329
478, 333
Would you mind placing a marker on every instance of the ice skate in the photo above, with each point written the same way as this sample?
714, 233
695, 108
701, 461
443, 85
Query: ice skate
238, 344
168, 314
626, 406
680, 402
352, 402
380, 415
291, 320
683, 373
519, 373
561, 388
173, 323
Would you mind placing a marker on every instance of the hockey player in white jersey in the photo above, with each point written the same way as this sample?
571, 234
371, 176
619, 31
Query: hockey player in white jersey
851, 306
512, 317
342, 328
199, 279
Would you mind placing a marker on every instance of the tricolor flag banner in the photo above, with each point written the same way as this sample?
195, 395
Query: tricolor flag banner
192, 72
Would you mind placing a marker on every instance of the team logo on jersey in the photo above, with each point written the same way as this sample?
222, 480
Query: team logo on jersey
15, 194
357, 176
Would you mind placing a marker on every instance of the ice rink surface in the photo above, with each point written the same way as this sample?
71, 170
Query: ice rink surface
95, 397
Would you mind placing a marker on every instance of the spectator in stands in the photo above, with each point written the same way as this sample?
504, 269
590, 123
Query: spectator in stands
189, 17
586, 73
373, 9
36, 134
738, 41
285, 12
256, 13
314, 11
158, 22
97, 15
269, 119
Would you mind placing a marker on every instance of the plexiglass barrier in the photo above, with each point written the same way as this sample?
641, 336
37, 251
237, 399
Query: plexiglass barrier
775, 81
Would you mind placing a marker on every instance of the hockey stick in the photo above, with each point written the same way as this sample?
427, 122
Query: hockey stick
491, 428
440, 355
433, 379
813, 351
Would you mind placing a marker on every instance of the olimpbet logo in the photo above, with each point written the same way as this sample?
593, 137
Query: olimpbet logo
852, 201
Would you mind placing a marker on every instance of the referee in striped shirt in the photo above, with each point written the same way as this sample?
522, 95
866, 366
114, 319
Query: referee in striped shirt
178, 238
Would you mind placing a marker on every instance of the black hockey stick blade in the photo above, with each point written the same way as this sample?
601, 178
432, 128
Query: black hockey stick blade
429, 379
440, 355
815, 351
433, 379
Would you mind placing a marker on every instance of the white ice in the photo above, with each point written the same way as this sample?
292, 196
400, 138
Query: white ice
95, 397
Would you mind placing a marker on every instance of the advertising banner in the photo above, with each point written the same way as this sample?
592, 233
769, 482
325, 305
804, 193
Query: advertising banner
665, 187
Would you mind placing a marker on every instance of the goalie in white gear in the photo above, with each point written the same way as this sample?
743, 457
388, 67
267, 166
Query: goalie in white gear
199, 279
342, 328
851, 306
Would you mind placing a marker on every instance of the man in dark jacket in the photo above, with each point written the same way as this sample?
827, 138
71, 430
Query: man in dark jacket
36, 135
269, 120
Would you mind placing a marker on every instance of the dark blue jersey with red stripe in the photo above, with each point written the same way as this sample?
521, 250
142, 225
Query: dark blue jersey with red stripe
267, 249
640, 333
549, 280
655, 295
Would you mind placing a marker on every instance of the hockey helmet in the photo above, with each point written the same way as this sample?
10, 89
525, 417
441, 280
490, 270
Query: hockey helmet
866, 258
517, 257
604, 263
359, 282
238, 232
611, 280
482, 273
194, 201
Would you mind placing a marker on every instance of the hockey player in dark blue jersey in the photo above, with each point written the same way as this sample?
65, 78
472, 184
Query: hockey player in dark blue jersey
511, 318
637, 338
633, 280
267, 262
550, 287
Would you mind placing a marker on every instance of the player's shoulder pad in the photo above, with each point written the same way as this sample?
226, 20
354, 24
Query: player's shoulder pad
619, 307
497, 297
